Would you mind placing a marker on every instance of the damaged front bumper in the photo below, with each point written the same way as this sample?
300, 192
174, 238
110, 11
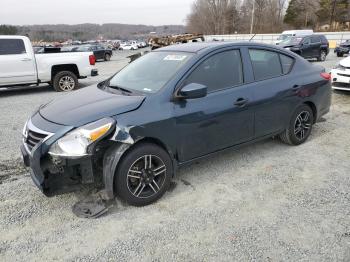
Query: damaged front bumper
53, 175
56, 175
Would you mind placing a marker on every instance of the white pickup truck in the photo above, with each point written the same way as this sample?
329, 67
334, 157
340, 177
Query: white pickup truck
19, 66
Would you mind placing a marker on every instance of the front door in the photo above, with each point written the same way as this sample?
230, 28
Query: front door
221, 119
17, 65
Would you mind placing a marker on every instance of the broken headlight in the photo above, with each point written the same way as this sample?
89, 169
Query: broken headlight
76, 142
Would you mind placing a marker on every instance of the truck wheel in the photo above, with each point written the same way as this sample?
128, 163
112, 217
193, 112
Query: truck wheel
107, 57
323, 55
340, 54
65, 81
143, 175
300, 126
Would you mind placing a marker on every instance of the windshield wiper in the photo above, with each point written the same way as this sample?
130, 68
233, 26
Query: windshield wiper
121, 89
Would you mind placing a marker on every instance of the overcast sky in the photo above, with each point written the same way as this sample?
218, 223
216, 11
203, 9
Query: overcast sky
149, 12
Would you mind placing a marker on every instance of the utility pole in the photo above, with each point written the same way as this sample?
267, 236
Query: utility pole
332, 15
252, 21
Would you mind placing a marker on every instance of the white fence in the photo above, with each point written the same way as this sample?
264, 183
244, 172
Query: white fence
335, 37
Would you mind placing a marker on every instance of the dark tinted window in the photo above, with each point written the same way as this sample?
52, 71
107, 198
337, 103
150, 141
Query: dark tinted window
266, 64
220, 71
12, 47
287, 63
307, 41
324, 39
315, 39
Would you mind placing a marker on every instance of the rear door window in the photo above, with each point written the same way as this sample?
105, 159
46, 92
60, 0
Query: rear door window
266, 64
287, 63
12, 47
220, 71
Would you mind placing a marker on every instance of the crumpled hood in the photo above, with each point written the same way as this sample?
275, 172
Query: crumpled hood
87, 105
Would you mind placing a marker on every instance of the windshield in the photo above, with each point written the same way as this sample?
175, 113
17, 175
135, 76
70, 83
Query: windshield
150, 72
292, 41
284, 37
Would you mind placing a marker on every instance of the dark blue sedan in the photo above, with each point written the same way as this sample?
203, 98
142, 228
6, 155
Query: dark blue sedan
130, 133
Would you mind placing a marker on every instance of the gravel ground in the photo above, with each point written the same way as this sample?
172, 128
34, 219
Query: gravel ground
265, 202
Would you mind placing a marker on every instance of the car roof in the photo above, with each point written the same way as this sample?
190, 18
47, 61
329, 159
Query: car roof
207, 46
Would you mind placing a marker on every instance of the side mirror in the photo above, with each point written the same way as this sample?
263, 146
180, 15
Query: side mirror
192, 91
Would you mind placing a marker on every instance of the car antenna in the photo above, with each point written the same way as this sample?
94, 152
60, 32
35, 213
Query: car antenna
252, 37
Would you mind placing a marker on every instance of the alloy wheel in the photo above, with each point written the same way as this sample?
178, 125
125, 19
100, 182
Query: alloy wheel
66, 83
146, 176
302, 125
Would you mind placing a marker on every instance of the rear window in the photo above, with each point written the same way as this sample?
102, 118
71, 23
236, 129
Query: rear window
315, 39
268, 64
12, 47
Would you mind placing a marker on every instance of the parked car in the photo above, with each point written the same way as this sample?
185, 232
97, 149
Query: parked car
100, 52
20, 66
312, 46
290, 33
128, 47
341, 75
169, 108
343, 48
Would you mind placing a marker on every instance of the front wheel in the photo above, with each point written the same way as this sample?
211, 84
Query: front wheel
300, 126
143, 175
65, 81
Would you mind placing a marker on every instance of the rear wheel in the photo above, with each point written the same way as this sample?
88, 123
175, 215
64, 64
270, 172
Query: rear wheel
107, 57
65, 81
340, 54
143, 175
323, 56
300, 126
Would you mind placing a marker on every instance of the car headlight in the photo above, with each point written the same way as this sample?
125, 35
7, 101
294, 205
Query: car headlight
340, 67
76, 142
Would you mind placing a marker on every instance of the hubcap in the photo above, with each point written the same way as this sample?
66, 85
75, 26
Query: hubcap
146, 176
66, 83
323, 56
302, 125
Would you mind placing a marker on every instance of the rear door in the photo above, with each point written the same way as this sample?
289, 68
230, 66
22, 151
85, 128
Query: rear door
306, 48
221, 119
272, 88
17, 65
316, 45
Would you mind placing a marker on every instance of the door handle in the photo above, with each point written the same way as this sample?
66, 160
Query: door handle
296, 87
26, 59
241, 102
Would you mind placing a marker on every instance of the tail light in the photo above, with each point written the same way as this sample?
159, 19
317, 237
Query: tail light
326, 76
92, 59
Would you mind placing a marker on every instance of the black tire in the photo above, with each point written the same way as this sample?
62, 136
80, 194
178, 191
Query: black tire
139, 186
107, 57
65, 81
340, 54
322, 57
291, 135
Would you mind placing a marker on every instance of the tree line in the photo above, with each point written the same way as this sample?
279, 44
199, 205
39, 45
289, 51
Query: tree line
267, 16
